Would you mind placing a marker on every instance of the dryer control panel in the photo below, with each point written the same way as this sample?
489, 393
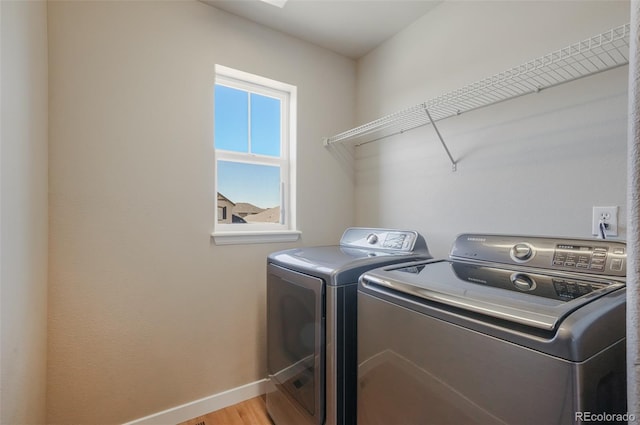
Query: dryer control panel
384, 239
595, 256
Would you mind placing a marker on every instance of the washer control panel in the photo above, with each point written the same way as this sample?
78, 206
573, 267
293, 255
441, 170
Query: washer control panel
595, 256
384, 239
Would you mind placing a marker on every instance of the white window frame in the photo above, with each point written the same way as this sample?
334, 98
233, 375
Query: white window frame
225, 233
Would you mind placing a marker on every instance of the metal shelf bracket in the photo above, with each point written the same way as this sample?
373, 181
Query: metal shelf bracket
454, 165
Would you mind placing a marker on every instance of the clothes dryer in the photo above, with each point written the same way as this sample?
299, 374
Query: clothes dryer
311, 322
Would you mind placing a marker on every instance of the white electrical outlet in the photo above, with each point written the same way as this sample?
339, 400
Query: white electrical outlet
609, 215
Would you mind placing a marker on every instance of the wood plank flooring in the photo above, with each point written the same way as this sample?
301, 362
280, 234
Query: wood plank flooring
250, 412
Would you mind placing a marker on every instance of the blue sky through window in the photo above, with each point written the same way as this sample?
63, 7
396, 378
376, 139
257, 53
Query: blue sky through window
230, 120
257, 184
265, 125
237, 112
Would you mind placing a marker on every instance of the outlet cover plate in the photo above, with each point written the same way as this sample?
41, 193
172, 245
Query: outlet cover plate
610, 215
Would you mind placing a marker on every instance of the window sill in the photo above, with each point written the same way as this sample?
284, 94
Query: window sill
239, 238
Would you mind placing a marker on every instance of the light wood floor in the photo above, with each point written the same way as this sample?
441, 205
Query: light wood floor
250, 412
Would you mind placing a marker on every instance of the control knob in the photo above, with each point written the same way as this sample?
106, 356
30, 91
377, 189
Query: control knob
372, 238
521, 252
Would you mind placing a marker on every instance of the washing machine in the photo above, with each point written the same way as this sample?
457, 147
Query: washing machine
509, 330
311, 322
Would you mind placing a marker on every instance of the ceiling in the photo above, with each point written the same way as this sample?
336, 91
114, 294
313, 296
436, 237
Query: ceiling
349, 27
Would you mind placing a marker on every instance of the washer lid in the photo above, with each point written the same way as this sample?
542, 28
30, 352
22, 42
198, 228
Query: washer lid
532, 298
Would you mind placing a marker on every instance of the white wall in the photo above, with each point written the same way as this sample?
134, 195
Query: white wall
146, 313
534, 165
23, 211
633, 207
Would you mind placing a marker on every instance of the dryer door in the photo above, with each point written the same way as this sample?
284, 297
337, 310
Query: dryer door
295, 344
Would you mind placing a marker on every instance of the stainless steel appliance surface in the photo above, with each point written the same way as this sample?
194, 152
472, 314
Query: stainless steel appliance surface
311, 322
508, 330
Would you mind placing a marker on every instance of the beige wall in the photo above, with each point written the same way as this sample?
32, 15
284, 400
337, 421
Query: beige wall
23, 212
146, 313
534, 165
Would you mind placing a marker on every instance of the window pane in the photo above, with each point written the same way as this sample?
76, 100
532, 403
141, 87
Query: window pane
231, 119
265, 125
253, 188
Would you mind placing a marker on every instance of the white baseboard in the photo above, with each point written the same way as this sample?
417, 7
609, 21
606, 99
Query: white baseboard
205, 405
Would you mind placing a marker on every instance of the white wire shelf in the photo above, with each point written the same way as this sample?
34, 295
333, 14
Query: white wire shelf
597, 54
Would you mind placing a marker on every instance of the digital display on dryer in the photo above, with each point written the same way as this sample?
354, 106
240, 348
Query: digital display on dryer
394, 240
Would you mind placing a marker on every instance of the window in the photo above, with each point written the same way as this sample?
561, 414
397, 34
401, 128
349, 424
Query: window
254, 139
